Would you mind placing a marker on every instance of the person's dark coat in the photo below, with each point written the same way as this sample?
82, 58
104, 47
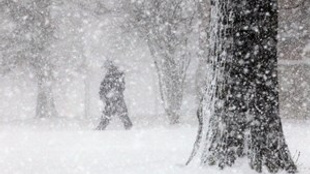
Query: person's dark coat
112, 86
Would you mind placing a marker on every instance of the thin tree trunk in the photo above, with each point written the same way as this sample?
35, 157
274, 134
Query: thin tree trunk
171, 84
203, 69
86, 86
45, 99
86, 96
171, 87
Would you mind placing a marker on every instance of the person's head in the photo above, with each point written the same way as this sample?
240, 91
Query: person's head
109, 65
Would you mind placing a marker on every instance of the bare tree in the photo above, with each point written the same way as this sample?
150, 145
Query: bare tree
31, 39
87, 10
166, 27
28, 44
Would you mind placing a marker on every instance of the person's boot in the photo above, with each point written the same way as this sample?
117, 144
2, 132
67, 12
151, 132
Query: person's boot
103, 124
126, 121
128, 126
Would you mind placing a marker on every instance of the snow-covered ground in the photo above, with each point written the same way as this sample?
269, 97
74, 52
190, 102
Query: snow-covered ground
64, 146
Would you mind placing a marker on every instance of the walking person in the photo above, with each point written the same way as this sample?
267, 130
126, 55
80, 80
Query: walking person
112, 94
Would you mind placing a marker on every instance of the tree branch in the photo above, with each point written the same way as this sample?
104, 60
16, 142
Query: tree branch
301, 3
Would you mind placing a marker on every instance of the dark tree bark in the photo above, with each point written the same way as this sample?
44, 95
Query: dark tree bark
240, 109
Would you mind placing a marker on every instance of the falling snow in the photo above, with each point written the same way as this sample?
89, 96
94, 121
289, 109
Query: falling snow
175, 72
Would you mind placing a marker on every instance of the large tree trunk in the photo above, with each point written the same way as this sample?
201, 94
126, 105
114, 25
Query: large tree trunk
243, 96
266, 143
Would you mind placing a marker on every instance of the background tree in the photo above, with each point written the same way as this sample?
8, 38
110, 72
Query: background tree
28, 44
166, 27
203, 8
240, 109
34, 38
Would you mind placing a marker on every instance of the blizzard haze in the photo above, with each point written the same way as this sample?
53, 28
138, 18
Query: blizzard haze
154, 86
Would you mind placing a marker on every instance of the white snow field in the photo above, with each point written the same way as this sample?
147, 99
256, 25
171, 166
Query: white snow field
63, 146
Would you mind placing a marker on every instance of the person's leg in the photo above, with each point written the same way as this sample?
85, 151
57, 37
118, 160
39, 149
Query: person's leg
123, 114
105, 118
103, 123
126, 120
